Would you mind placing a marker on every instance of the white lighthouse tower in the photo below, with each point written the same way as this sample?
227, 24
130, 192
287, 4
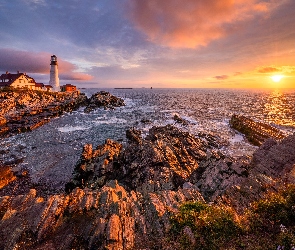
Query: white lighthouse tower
54, 81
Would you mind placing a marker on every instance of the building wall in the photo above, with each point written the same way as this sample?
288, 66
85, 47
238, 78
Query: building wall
23, 82
54, 80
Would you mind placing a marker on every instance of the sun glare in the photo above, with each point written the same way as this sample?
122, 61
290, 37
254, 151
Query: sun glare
277, 78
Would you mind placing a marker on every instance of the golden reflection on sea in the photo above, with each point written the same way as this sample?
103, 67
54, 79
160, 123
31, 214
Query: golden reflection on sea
279, 108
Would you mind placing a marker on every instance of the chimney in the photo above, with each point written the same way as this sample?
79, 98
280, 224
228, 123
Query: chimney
18, 71
7, 72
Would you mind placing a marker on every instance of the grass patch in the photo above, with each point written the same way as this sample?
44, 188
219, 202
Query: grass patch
267, 224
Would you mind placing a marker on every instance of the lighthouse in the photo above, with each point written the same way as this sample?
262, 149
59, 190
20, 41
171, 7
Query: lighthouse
54, 81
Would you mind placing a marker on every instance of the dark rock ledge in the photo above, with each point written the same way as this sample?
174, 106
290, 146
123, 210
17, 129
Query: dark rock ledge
255, 132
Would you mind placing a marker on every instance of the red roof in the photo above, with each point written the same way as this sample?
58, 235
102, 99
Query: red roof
39, 85
48, 86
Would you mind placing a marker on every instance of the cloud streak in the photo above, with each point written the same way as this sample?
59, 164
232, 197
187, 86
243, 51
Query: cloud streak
222, 77
192, 23
37, 62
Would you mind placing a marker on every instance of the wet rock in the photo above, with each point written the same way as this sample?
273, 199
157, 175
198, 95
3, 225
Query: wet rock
103, 99
180, 120
255, 132
133, 135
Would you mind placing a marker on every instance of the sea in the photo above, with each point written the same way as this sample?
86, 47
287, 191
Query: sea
50, 152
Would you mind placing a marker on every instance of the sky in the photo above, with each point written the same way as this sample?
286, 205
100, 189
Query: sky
151, 43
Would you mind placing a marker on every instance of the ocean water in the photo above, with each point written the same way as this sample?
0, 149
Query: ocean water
51, 151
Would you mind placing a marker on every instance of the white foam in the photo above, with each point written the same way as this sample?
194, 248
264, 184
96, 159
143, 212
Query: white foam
112, 120
67, 129
237, 138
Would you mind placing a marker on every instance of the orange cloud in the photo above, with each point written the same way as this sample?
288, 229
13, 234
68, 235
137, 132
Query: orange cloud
271, 69
191, 23
268, 70
222, 77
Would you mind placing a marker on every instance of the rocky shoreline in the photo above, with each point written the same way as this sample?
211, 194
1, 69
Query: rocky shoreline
126, 196
25, 110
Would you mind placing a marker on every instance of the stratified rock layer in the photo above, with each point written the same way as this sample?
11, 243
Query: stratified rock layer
255, 132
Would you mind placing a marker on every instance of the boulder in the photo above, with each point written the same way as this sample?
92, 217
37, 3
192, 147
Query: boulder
103, 99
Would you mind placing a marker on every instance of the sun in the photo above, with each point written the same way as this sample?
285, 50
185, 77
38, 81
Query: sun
277, 78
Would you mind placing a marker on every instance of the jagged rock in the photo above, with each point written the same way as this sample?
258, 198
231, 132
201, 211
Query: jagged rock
255, 132
214, 177
164, 160
2, 121
180, 120
97, 166
133, 135
103, 99
108, 218
130, 194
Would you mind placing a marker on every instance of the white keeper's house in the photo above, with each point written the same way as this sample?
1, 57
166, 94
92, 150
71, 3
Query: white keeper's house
20, 80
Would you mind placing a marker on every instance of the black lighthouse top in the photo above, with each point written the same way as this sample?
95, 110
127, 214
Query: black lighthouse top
53, 60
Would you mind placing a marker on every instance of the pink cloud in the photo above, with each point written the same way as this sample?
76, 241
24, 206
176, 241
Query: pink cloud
37, 62
192, 23
76, 76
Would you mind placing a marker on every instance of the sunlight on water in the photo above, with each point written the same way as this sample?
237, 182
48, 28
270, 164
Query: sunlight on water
279, 108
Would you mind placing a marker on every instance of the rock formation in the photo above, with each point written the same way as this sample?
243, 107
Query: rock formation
103, 99
255, 132
163, 160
